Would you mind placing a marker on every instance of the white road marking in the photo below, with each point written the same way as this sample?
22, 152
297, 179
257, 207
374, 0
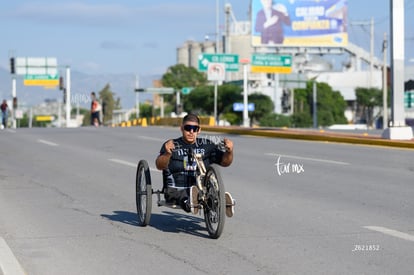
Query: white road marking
8, 262
311, 159
47, 142
10, 130
131, 164
151, 138
391, 232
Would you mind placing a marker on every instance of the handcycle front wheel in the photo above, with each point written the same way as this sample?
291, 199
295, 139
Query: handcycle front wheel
215, 203
143, 193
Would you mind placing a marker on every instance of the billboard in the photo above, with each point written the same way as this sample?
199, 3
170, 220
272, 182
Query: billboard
304, 23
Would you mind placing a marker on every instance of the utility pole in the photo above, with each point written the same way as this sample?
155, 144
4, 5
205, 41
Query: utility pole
371, 57
384, 84
217, 25
68, 105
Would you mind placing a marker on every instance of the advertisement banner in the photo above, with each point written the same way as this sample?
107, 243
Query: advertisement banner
305, 23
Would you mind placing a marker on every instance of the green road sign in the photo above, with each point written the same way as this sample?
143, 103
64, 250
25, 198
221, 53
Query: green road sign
41, 77
231, 61
186, 90
41, 80
271, 63
409, 99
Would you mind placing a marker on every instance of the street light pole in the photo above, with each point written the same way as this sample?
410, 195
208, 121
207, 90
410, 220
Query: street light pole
217, 26
245, 63
68, 105
315, 114
384, 85
215, 103
137, 96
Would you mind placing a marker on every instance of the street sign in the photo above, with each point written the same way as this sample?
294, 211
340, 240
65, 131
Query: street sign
231, 61
216, 72
271, 63
44, 118
36, 70
409, 99
238, 107
36, 62
41, 80
159, 90
36, 65
186, 90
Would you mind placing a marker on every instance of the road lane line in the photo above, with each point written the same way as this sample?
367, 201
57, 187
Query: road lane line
10, 130
131, 164
311, 159
391, 232
8, 262
151, 138
47, 142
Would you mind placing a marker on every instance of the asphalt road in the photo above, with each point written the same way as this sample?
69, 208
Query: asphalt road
67, 206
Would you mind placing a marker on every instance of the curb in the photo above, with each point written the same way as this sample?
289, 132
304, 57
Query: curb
313, 136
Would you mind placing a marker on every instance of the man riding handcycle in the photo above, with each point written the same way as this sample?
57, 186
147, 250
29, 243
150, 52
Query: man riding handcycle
191, 178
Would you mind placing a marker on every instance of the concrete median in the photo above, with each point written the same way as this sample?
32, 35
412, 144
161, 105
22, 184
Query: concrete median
314, 135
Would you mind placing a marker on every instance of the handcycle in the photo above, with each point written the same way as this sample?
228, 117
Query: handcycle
211, 198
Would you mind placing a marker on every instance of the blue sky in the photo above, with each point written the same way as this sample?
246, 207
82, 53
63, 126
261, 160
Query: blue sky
134, 36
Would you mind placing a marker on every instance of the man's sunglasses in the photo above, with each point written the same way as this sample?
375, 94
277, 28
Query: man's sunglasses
188, 128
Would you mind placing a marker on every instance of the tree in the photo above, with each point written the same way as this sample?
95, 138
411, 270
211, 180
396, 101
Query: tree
145, 110
302, 109
109, 104
275, 120
367, 99
330, 106
201, 99
180, 76
263, 105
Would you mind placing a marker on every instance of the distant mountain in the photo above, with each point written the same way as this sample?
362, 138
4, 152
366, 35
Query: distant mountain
122, 85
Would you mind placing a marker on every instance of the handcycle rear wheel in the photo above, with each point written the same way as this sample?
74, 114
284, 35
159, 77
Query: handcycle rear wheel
215, 203
143, 193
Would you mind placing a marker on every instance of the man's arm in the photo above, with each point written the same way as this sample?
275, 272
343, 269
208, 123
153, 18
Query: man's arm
163, 159
228, 155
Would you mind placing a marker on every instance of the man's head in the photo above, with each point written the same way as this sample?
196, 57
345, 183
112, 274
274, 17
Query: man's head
267, 4
190, 128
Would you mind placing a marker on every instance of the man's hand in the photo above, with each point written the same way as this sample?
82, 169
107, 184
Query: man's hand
271, 21
228, 155
169, 146
162, 160
228, 144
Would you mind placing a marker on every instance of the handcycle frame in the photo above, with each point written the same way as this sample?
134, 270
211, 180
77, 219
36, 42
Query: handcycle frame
211, 194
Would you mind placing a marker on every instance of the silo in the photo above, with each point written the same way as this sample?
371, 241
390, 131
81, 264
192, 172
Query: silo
183, 54
194, 51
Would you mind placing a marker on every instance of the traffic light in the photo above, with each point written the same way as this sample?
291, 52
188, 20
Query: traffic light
178, 109
61, 83
14, 103
286, 101
12, 66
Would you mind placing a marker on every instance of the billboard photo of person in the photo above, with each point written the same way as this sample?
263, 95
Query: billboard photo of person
270, 21
305, 23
